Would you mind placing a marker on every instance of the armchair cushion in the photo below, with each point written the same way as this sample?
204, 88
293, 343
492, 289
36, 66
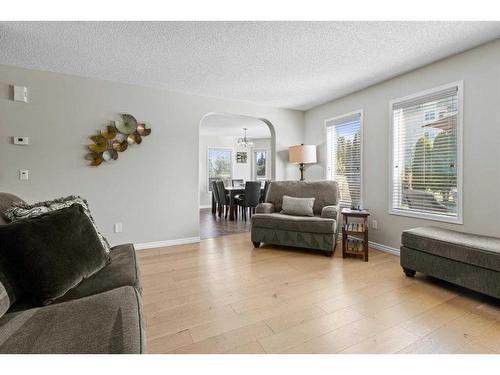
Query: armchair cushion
264, 208
278, 221
330, 212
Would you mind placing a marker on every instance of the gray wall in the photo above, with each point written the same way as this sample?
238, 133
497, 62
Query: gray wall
480, 70
153, 188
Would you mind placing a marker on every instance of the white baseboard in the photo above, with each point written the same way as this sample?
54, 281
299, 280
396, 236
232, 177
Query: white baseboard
387, 249
206, 206
178, 241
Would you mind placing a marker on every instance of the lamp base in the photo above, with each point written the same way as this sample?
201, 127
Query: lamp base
301, 167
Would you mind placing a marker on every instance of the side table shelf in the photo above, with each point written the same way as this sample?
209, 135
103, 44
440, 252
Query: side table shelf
355, 234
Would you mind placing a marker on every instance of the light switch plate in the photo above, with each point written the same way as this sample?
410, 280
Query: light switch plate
118, 227
24, 174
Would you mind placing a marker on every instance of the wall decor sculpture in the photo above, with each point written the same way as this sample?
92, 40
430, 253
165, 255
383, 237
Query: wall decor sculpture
116, 138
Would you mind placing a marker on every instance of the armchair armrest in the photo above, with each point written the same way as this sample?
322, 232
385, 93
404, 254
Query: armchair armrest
330, 212
264, 208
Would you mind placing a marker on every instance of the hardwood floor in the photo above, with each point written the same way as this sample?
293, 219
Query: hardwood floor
224, 296
213, 226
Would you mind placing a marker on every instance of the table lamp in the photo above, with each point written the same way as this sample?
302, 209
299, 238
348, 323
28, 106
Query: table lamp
302, 154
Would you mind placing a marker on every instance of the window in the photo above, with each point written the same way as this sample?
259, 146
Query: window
429, 116
426, 155
219, 164
344, 156
259, 163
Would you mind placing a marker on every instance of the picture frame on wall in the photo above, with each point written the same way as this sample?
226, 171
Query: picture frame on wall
241, 157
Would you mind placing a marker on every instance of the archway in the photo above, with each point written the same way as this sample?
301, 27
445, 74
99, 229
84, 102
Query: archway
221, 157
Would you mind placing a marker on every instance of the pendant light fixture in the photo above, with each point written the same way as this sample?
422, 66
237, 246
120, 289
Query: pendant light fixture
245, 142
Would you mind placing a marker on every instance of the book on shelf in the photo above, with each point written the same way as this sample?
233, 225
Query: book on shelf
355, 227
354, 244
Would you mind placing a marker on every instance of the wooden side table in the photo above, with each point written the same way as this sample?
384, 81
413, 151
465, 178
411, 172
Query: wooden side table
355, 234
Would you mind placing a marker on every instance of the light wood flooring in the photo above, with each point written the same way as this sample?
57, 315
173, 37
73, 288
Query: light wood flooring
224, 296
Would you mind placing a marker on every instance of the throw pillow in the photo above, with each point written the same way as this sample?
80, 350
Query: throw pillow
22, 210
4, 300
52, 253
297, 206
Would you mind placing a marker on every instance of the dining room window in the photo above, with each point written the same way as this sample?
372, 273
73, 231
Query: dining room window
259, 163
219, 164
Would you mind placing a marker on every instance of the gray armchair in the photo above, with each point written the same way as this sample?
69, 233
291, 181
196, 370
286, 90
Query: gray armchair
318, 232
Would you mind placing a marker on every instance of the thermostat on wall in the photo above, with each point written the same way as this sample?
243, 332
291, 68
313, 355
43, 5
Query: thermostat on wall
21, 94
21, 141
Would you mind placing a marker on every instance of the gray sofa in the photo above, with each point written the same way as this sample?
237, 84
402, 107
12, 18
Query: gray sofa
318, 232
468, 260
103, 314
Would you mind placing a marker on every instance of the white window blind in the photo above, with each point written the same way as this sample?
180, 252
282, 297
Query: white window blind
344, 156
425, 155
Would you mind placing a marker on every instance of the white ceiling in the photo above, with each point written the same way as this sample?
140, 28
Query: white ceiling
232, 126
284, 64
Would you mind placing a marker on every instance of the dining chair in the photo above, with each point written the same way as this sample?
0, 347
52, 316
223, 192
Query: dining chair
215, 193
251, 198
223, 198
264, 191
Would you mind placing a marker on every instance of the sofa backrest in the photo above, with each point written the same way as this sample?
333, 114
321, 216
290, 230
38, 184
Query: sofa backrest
6, 200
325, 192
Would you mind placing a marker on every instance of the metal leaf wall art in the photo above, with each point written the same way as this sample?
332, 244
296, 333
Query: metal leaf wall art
116, 138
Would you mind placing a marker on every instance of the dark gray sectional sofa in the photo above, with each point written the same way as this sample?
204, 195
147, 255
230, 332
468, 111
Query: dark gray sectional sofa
318, 232
468, 260
101, 315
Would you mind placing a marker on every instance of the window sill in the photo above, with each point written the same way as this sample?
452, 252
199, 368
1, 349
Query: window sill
426, 216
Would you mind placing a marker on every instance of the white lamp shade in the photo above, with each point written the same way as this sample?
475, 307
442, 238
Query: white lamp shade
302, 154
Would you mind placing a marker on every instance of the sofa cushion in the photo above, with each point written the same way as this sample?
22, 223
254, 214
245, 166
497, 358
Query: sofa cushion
109, 322
468, 248
52, 253
280, 221
297, 206
6, 201
22, 210
123, 270
326, 193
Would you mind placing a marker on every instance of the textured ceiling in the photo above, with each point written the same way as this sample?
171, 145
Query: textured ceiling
284, 64
232, 126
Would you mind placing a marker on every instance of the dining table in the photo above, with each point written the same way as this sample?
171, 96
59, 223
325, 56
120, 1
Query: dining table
231, 191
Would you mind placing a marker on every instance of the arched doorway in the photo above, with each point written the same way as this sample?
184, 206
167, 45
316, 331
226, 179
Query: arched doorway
233, 148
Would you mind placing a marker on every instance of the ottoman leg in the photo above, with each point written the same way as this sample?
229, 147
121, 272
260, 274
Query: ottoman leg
408, 272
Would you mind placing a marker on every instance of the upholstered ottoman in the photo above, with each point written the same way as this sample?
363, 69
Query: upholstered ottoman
468, 260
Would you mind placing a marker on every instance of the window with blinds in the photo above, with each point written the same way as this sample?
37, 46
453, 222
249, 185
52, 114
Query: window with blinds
344, 156
426, 154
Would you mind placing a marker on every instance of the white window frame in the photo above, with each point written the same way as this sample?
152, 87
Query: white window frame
208, 162
460, 192
339, 119
254, 167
